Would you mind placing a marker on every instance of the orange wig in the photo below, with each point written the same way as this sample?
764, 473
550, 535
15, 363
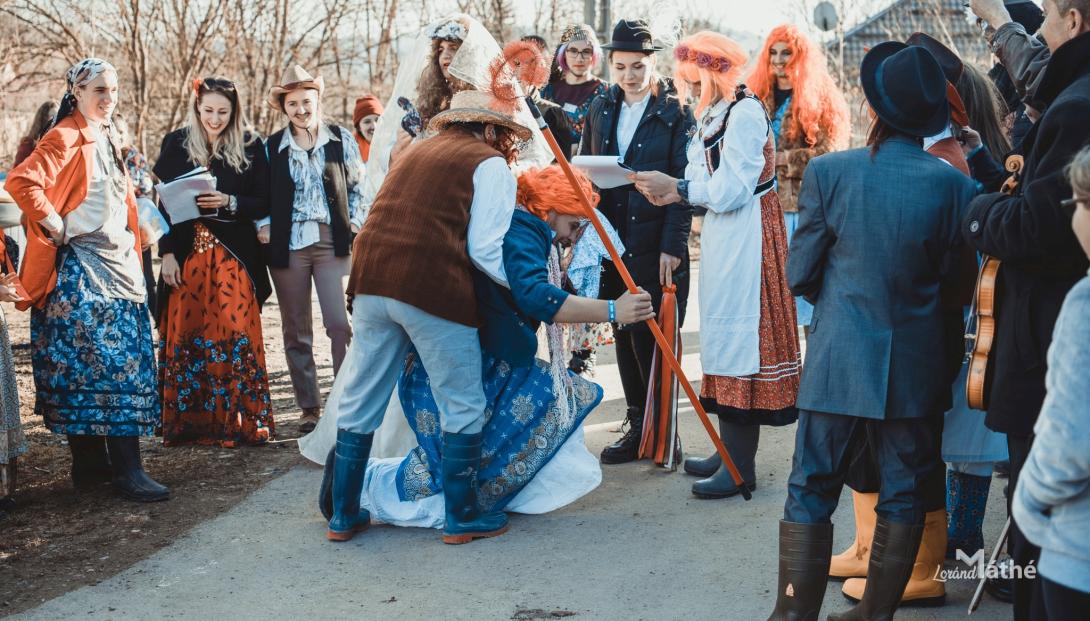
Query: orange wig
818, 108
542, 190
713, 61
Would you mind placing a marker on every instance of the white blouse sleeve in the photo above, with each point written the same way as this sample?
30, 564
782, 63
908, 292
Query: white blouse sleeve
494, 190
740, 164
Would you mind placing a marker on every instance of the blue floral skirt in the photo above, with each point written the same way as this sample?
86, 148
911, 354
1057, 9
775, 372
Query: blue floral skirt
523, 429
93, 359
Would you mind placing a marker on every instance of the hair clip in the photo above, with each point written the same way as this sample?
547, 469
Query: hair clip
197, 83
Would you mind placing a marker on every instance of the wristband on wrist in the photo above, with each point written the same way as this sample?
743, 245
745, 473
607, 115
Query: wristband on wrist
612, 311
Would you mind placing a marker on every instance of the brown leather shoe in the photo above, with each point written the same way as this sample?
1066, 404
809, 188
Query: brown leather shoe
309, 420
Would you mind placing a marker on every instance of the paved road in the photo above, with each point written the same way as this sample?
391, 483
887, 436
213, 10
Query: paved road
638, 547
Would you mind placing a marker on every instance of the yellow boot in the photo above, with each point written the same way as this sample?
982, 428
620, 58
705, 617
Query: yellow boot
922, 589
852, 563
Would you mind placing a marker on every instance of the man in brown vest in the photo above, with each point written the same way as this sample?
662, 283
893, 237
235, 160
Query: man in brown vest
442, 211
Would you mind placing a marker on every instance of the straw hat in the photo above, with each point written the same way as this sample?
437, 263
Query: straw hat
478, 107
294, 78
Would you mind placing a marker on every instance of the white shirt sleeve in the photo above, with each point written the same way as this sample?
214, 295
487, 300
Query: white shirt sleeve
740, 164
494, 190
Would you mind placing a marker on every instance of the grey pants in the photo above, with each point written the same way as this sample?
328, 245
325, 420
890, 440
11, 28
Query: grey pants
329, 273
451, 353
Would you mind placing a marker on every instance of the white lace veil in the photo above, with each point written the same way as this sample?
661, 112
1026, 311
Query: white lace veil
470, 65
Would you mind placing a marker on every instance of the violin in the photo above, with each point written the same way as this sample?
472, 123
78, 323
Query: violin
980, 331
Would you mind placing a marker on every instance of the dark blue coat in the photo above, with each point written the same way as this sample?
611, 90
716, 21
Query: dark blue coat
659, 143
511, 317
876, 236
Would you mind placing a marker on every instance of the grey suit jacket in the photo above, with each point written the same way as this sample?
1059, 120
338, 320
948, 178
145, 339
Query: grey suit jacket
876, 234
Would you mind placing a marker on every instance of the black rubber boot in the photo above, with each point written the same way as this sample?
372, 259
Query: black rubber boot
805, 550
628, 447
90, 461
892, 556
325, 491
129, 478
741, 442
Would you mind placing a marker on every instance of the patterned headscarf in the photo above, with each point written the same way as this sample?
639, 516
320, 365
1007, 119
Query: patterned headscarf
80, 74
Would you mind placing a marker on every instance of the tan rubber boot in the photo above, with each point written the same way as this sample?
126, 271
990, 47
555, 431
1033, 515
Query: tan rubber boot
852, 563
922, 589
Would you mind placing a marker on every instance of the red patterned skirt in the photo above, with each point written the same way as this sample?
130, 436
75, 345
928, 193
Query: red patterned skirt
212, 376
767, 397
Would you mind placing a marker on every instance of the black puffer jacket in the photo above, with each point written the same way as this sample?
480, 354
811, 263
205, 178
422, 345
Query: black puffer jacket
647, 231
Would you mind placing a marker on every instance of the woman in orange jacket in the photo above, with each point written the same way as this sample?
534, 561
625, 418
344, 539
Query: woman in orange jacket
93, 358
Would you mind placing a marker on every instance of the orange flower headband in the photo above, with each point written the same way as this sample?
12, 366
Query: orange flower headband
703, 60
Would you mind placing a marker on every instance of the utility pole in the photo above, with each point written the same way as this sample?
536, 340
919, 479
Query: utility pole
598, 14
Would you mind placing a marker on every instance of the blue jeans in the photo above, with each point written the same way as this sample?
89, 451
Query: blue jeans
383, 330
803, 309
907, 450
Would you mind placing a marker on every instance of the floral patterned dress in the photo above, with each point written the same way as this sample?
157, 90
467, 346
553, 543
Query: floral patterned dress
211, 353
524, 428
12, 443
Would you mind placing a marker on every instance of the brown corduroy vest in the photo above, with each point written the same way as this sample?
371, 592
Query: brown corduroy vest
413, 246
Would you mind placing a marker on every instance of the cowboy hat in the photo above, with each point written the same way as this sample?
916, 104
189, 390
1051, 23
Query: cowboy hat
294, 78
906, 88
478, 107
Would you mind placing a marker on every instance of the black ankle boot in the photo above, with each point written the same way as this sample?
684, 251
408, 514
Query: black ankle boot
805, 550
129, 478
90, 461
628, 447
892, 555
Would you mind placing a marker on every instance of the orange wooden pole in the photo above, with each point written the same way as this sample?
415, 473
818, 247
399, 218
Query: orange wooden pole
664, 347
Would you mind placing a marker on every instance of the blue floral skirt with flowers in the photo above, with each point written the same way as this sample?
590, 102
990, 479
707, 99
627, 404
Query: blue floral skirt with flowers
93, 359
523, 428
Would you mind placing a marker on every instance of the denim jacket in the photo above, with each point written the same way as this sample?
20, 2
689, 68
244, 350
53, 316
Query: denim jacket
1052, 501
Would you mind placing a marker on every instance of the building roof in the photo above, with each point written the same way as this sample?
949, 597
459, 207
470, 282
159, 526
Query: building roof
943, 19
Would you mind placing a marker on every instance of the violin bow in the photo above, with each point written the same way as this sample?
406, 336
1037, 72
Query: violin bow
663, 345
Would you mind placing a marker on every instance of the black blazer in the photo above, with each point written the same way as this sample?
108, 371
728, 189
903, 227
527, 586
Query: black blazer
647, 231
1031, 234
236, 233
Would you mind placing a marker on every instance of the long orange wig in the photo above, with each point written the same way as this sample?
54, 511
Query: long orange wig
712, 60
818, 107
541, 190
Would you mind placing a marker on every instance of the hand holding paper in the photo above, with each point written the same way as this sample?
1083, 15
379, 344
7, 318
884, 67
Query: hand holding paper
605, 171
179, 197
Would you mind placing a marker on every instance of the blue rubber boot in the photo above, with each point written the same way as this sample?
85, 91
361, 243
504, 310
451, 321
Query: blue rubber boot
349, 464
465, 521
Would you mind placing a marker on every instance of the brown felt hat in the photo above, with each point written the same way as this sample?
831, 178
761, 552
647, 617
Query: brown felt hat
294, 79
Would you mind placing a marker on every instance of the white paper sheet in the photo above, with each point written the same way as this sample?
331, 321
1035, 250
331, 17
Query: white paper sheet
605, 171
179, 197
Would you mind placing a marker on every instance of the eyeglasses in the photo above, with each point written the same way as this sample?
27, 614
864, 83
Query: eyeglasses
1071, 203
579, 53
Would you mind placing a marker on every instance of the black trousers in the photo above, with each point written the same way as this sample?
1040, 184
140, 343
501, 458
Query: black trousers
149, 281
1060, 603
1021, 550
635, 348
824, 443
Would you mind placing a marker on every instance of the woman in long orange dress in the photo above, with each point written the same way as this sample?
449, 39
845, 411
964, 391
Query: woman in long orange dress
212, 377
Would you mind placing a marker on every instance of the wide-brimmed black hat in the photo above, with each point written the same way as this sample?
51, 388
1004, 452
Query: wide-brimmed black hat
906, 88
949, 61
632, 35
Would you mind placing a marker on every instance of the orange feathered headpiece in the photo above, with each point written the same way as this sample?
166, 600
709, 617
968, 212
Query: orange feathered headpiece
818, 109
522, 63
710, 59
544, 190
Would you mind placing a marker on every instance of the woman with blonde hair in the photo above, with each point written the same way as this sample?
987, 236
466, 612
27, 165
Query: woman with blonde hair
212, 378
749, 342
809, 117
